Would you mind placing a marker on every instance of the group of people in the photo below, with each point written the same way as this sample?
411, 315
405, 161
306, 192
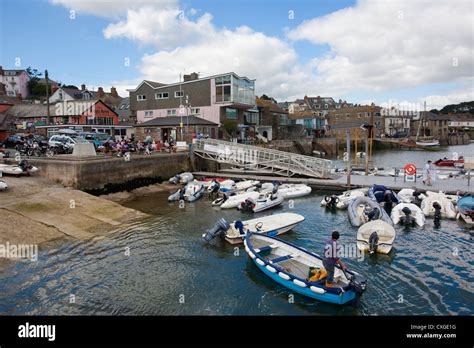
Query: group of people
121, 147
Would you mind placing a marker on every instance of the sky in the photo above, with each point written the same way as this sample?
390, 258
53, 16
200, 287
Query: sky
391, 52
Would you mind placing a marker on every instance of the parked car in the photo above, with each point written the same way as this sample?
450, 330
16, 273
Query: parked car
98, 139
65, 140
14, 140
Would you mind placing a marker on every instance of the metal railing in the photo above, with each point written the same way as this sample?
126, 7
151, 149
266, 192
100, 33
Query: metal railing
254, 157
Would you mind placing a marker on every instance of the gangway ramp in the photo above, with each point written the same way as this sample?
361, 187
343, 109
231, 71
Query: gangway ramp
255, 157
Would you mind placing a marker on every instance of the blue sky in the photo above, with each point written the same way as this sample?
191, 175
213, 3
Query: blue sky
75, 51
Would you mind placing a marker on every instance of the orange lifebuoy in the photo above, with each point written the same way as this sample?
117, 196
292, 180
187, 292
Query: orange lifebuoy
410, 169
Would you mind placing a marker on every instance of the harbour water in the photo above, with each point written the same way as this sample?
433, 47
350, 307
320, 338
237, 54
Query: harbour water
161, 266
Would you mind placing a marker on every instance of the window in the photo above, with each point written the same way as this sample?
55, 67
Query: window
195, 111
164, 95
141, 97
171, 112
61, 96
86, 96
148, 113
223, 88
178, 94
122, 106
231, 114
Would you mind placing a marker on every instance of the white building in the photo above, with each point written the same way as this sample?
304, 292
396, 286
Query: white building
398, 122
15, 82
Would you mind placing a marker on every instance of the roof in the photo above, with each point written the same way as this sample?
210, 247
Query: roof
262, 103
304, 115
344, 125
4, 119
13, 71
175, 121
40, 110
356, 109
156, 85
77, 93
465, 117
123, 109
431, 116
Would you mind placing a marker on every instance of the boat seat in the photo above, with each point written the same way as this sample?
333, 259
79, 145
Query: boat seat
282, 258
266, 248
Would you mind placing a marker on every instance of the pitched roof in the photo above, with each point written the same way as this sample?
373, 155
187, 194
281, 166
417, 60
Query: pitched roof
431, 116
464, 117
40, 110
356, 109
123, 109
154, 84
269, 104
175, 121
304, 115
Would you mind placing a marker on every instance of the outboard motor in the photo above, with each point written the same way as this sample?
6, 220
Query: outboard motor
182, 190
437, 214
359, 283
247, 205
388, 202
175, 179
24, 165
417, 199
219, 228
373, 242
408, 219
374, 214
331, 201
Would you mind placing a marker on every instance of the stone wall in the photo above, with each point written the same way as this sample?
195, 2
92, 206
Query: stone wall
110, 174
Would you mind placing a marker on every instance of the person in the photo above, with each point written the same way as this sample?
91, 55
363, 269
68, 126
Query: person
427, 174
330, 258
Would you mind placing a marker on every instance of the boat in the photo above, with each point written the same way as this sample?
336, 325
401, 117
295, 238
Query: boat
290, 265
428, 142
445, 205
381, 194
23, 168
408, 214
235, 199
182, 178
293, 190
344, 198
376, 236
193, 191
466, 209
364, 209
234, 232
264, 201
245, 185
407, 195
3, 185
226, 185
178, 195
450, 163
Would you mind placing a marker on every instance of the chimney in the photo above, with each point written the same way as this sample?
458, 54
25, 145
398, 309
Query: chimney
54, 88
83, 87
191, 77
113, 92
100, 92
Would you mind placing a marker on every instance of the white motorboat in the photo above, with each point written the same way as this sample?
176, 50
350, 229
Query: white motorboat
364, 209
234, 200
23, 168
428, 143
263, 202
408, 214
266, 187
193, 191
245, 185
406, 195
272, 225
182, 178
345, 198
3, 185
293, 190
227, 185
446, 206
376, 236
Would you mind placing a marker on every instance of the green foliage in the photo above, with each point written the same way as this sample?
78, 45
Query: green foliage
464, 107
266, 97
230, 127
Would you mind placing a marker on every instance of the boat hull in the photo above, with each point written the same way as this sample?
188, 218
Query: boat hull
240, 239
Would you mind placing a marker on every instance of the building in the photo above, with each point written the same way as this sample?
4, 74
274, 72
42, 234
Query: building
214, 98
61, 94
15, 82
123, 110
352, 118
314, 125
273, 122
92, 115
180, 129
7, 126
397, 123
432, 125
463, 121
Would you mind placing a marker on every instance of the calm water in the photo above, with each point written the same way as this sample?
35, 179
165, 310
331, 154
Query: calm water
390, 158
422, 275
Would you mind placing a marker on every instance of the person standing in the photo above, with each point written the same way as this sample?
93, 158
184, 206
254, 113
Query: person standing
427, 174
330, 258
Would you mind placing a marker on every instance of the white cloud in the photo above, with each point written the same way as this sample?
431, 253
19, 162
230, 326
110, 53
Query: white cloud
380, 45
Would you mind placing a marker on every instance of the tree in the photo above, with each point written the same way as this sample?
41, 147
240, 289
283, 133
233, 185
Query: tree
36, 88
70, 87
266, 97
230, 127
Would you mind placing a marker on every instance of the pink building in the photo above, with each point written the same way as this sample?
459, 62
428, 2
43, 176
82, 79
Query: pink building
15, 82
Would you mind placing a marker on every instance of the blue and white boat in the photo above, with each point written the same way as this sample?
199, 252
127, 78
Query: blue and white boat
289, 266
466, 209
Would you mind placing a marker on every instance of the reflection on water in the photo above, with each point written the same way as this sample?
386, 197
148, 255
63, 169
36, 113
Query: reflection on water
169, 270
